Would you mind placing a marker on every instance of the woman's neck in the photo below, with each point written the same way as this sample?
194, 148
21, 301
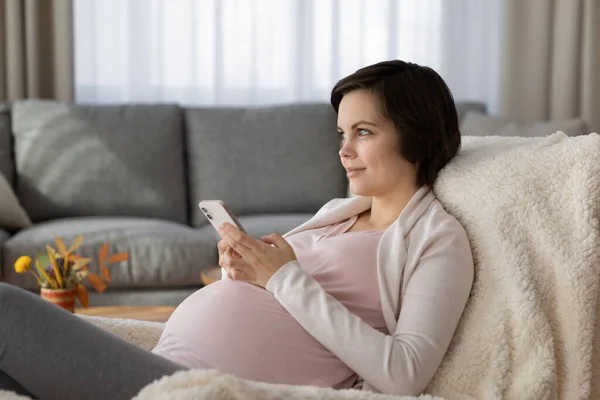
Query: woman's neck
386, 209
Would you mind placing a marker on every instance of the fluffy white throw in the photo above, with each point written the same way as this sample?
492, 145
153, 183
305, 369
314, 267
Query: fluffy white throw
529, 331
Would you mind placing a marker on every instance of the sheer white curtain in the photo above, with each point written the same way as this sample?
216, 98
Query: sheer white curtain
239, 52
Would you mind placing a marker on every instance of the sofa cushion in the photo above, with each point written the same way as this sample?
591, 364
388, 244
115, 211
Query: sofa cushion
477, 124
12, 214
268, 160
161, 253
4, 235
263, 224
464, 107
77, 160
3, 238
137, 297
6, 147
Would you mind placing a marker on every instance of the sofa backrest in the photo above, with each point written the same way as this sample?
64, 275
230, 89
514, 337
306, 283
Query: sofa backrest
6, 147
280, 159
463, 107
159, 161
75, 160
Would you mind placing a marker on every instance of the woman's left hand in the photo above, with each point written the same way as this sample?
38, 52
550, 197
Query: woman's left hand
264, 257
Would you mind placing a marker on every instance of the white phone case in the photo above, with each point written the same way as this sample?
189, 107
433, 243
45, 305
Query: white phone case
217, 213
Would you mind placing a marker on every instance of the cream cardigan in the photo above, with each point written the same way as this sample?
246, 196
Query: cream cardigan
425, 270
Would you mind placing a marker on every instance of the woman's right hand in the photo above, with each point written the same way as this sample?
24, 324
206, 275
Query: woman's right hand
230, 260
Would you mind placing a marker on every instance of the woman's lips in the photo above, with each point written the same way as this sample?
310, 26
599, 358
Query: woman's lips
354, 171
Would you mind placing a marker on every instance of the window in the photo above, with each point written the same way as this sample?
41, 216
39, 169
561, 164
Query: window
235, 52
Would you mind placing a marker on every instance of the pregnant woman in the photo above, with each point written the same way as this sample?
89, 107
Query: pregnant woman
366, 294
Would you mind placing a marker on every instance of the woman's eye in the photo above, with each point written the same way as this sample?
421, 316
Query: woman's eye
363, 132
342, 134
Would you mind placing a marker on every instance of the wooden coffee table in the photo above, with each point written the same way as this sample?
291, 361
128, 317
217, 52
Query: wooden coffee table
146, 313
141, 313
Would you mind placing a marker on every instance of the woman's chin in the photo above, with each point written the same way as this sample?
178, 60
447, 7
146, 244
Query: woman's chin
357, 190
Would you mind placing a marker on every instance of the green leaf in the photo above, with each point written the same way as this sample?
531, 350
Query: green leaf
43, 258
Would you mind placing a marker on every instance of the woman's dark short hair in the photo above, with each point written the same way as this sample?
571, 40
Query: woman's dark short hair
419, 103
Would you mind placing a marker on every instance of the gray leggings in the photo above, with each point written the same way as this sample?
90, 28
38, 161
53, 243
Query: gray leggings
49, 353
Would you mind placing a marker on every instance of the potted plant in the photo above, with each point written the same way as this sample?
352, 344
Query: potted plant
60, 272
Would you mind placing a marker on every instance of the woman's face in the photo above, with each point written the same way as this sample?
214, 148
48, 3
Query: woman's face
370, 147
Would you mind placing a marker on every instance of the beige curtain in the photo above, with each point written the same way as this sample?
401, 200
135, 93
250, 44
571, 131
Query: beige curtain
36, 49
550, 65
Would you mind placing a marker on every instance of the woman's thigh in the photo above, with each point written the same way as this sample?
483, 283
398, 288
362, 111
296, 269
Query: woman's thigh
55, 354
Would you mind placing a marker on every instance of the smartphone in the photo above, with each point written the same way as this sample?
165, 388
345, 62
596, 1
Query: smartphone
217, 213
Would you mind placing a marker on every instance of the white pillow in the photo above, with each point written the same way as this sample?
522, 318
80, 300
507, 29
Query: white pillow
477, 124
12, 214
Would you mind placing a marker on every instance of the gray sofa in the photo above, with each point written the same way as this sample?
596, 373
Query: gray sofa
132, 175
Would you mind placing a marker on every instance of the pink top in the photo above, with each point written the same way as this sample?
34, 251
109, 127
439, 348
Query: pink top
241, 329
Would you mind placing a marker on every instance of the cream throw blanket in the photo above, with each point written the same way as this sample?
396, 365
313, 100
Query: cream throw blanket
530, 207
530, 330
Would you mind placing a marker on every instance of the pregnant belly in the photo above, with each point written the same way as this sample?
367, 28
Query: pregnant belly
241, 329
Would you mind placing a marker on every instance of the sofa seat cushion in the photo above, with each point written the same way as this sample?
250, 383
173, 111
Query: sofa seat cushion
263, 224
162, 253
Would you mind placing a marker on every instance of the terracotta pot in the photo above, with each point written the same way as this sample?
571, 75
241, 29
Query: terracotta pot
64, 298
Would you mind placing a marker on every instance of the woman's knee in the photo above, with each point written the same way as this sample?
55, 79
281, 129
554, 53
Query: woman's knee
9, 293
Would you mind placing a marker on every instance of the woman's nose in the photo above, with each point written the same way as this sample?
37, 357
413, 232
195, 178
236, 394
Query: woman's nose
346, 150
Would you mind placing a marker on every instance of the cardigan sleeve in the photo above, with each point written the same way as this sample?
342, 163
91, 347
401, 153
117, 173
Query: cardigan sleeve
403, 362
